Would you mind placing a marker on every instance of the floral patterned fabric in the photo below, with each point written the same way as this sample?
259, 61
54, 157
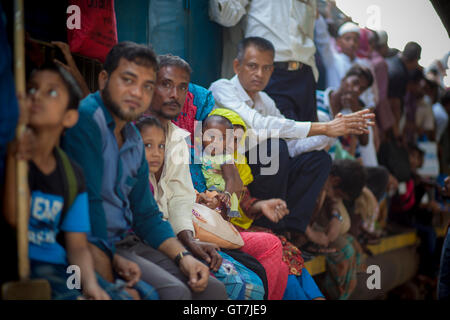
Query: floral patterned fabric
292, 256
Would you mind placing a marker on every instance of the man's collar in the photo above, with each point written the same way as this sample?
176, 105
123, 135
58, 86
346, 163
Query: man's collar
108, 117
176, 133
241, 91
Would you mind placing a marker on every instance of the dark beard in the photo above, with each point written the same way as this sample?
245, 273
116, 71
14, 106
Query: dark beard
114, 107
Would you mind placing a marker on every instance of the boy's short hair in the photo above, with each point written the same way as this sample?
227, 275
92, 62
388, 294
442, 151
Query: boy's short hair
352, 176
148, 121
360, 71
140, 54
75, 93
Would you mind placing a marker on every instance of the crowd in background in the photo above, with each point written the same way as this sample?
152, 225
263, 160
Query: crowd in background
361, 152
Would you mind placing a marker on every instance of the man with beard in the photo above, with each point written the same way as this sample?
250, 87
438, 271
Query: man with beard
174, 178
175, 192
129, 235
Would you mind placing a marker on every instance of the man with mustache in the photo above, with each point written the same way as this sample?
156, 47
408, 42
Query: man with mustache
170, 94
127, 225
302, 168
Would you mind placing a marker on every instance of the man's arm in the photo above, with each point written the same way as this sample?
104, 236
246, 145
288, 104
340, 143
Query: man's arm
179, 180
323, 42
180, 205
83, 143
226, 96
196, 271
299, 146
227, 12
354, 123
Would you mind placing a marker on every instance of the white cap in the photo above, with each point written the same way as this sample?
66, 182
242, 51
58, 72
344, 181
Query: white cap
348, 27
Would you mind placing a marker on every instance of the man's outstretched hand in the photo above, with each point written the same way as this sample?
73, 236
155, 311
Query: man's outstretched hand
353, 123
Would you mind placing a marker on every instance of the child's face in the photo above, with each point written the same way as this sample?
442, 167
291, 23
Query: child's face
155, 144
352, 87
48, 98
214, 138
415, 160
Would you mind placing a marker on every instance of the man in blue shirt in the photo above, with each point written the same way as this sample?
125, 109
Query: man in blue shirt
122, 209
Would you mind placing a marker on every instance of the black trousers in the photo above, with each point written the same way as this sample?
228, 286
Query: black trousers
294, 93
298, 181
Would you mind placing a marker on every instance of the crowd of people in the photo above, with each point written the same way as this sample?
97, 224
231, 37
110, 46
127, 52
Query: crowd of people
158, 188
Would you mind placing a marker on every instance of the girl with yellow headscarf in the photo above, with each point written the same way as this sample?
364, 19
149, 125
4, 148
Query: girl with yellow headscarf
240, 160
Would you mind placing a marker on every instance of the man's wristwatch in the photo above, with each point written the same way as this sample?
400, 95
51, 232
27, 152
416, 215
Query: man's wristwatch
180, 256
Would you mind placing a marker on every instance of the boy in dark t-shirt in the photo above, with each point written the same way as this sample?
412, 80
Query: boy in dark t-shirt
56, 185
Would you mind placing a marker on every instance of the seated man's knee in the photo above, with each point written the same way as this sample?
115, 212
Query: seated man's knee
214, 291
324, 159
175, 291
271, 147
317, 161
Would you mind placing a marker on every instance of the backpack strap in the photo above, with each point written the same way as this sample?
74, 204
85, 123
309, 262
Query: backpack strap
71, 185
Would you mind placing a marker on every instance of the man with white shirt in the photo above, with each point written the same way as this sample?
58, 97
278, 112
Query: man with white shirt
289, 25
300, 174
